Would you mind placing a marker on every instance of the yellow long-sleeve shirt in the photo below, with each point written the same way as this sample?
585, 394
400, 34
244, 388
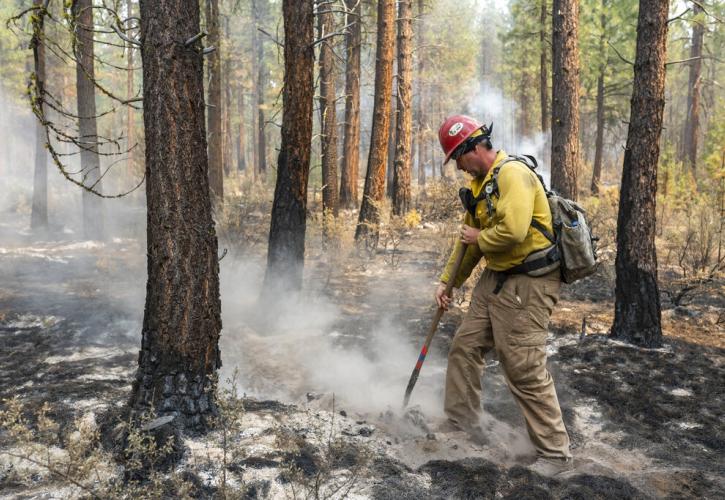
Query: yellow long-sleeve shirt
507, 238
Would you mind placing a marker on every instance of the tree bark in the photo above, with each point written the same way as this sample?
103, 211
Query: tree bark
242, 143
351, 145
87, 127
39, 210
692, 121
367, 227
328, 120
179, 354
214, 101
390, 163
565, 98
599, 143
285, 257
254, 115
261, 10
543, 70
637, 300
525, 121
227, 144
130, 129
404, 122
420, 120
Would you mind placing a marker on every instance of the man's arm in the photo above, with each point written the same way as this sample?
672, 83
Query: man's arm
470, 260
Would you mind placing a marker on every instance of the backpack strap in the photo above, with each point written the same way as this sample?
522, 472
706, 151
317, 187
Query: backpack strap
547, 259
490, 189
542, 229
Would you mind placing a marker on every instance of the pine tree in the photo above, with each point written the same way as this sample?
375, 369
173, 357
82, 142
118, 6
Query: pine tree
179, 355
565, 98
87, 125
403, 128
367, 227
285, 257
637, 315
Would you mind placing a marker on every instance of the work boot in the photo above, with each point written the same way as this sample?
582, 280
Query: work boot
448, 426
551, 466
475, 433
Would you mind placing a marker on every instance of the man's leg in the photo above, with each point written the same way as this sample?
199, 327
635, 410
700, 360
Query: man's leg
465, 361
520, 319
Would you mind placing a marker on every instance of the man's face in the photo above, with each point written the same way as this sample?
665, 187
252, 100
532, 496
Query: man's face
471, 163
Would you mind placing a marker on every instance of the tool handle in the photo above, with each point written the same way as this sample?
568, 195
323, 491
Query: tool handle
433, 327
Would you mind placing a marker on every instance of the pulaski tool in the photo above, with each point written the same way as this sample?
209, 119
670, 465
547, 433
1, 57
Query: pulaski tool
433, 328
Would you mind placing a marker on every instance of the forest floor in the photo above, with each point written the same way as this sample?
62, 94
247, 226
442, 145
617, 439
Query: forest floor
321, 380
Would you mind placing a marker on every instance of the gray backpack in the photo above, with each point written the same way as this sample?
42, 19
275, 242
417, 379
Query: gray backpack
572, 245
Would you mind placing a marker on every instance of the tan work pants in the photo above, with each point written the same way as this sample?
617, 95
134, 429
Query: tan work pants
515, 322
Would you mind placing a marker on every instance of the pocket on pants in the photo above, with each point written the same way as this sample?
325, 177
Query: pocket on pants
530, 328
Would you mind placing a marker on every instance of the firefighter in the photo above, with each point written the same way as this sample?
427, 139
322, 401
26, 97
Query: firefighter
505, 223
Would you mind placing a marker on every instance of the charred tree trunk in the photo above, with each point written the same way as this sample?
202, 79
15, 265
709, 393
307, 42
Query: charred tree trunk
328, 120
404, 122
692, 121
420, 121
637, 299
367, 227
179, 354
214, 108
286, 254
351, 145
599, 143
260, 11
543, 70
39, 210
87, 128
565, 98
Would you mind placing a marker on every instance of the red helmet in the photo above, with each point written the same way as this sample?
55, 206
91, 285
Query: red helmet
455, 130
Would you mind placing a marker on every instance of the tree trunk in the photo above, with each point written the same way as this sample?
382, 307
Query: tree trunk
692, 121
242, 146
565, 98
261, 10
599, 143
87, 128
351, 146
227, 156
254, 115
328, 120
524, 106
404, 123
637, 299
180, 339
214, 102
420, 122
390, 163
286, 254
543, 70
367, 227
130, 132
39, 211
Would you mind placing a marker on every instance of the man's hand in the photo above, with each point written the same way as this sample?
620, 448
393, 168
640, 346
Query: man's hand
469, 235
442, 299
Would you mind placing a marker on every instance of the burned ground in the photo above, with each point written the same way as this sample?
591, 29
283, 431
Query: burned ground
643, 423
